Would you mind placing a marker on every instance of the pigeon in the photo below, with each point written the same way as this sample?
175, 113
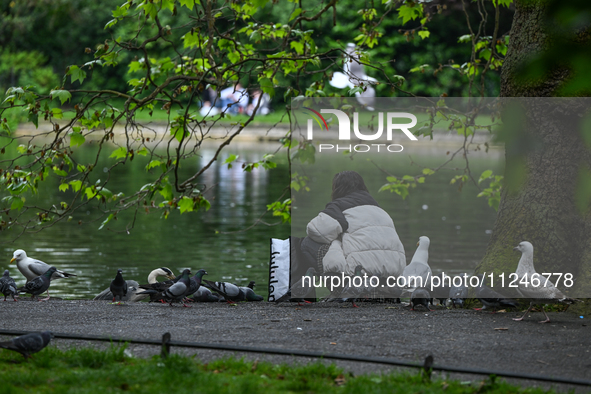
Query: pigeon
458, 294
545, 293
249, 292
440, 292
174, 293
39, 284
422, 297
195, 282
230, 291
32, 268
301, 289
29, 343
419, 266
133, 286
203, 294
118, 286
8, 286
351, 292
491, 298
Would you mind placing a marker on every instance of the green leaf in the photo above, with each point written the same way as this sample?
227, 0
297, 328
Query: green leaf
76, 73
59, 172
119, 153
424, 34
298, 46
76, 185
295, 14
16, 203
267, 86
189, 3
428, 171
63, 187
410, 11
57, 113
485, 175
62, 95
186, 204
152, 164
485, 53
76, 139
107, 220
465, 38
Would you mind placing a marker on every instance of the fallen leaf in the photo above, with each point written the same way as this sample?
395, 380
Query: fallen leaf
333, 343
501, 328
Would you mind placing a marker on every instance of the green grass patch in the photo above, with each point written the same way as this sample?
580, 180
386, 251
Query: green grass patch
88, 370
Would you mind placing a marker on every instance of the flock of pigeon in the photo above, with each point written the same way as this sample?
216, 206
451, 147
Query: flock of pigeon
182, 289
40, 274
545, 293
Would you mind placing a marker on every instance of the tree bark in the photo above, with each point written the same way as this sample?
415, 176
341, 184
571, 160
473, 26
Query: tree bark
545, 155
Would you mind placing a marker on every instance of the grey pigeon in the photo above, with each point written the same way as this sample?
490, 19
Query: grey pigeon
301, 289
418, 272
230, 291
440, 292
353, 293
250, 295
174, 293
203, 294
492, 299
195, 282
545, 293
29, 343
420, 296
118, 286
133, 286
8, 286
39, 284
458, 294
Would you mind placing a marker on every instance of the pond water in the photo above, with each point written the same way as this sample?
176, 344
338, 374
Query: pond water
458, 223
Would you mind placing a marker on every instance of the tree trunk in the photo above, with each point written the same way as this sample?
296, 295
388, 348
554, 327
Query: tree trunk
543, 166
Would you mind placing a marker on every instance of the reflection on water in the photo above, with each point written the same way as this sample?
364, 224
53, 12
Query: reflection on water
456, 222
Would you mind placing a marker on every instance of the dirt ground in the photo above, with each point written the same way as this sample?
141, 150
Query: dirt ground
459, 338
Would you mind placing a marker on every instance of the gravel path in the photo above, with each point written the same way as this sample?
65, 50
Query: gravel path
461, 338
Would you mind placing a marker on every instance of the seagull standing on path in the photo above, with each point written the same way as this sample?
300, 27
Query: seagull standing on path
33, 268
29, 343
419, 269
545, 292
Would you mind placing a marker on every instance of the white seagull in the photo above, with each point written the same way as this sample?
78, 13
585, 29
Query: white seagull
32, 268
419, 266
545, 292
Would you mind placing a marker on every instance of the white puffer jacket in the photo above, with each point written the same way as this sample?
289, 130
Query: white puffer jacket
359, 233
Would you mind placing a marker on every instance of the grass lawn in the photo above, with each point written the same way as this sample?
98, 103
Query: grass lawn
86, 370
